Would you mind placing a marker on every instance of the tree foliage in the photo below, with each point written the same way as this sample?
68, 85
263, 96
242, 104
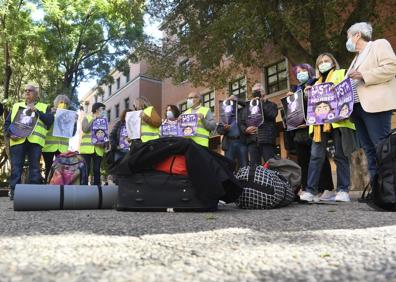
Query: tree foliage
225, 37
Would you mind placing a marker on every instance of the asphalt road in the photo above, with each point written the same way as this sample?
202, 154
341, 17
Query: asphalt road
343, 242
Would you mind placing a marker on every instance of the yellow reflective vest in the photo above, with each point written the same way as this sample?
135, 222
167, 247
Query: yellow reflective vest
148, 132
202, 135
86, 146
40, 130
53, 143
335, 76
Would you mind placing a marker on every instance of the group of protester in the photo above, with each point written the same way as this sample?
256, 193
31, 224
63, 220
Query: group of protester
372, 71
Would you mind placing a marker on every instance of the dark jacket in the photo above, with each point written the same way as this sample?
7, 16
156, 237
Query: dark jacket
115, 135
267, 132
220, 130
211, 174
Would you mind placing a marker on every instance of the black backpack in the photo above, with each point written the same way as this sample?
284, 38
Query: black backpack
383, 194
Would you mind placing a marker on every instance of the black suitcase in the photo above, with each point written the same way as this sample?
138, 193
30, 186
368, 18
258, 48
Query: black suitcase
158, 191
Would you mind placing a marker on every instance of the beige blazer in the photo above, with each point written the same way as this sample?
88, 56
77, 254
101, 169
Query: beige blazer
378, 68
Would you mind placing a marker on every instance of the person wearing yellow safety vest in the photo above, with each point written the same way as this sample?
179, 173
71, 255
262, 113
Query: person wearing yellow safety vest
206, 122
150, 121
30, 146
89, 151
56, 145
342, 133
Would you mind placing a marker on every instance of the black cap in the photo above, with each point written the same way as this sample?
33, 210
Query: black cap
96, 106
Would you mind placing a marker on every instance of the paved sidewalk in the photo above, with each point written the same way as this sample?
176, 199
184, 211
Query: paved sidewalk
343, 242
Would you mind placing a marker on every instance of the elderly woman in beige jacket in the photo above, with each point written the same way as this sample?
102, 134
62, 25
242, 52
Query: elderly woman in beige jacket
373, 72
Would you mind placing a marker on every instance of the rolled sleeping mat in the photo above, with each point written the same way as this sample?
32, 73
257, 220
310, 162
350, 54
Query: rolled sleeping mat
34, 197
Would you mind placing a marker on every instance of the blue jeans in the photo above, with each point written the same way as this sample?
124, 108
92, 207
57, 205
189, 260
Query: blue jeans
237, 150
318, 156
258, 151
96, 166
371, 128
18, 154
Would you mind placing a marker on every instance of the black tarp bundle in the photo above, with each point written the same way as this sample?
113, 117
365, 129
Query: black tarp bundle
211, 174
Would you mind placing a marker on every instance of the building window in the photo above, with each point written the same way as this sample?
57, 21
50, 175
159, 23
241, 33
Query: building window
118, 83
208, 100
276, 77
117, 110
184, 69
110, 86
238, 88
126, 103
184, 29
108, 115
127, 75
183, 107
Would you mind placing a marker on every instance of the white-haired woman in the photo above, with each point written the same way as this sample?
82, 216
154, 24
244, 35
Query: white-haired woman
55, 145
373, 72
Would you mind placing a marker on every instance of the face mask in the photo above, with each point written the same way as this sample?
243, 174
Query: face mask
62, 105
351, 47
190, 103
302, 76
170, 115
325, 67
256, 94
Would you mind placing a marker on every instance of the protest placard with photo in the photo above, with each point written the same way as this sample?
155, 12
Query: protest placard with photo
24, 122
169, 128
188, 124
328, 103
255, 113
123, 143
64, 123
100, 131
133, 123
228, 111
293, 106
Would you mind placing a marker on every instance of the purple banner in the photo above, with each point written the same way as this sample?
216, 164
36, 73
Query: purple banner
169, 128
228, 110
293, 106
255, 113
100, 131
124, 143
328, 103
345, 101
188, 124
24, 122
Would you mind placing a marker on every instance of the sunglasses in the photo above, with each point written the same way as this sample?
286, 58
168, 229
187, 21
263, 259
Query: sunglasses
29, 90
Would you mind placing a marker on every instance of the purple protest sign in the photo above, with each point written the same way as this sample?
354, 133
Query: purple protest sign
255, 113
188, 124
322, 104
345, 101
169, 128
293, 106
228, 109
123, 143
100, 131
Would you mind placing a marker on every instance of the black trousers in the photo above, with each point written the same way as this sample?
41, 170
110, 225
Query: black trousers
48, 160
97, 160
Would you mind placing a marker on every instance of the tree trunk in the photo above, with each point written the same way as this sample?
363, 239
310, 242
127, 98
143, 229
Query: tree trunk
7, 70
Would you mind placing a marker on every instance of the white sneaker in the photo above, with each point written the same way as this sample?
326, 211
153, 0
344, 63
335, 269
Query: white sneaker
328, 196
342, 197
307, 197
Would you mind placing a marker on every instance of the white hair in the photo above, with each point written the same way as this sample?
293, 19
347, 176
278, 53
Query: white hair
364, 28
61, 98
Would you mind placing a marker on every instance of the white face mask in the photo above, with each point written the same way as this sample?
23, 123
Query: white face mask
325, 67
351, 47
190, 103
170, 115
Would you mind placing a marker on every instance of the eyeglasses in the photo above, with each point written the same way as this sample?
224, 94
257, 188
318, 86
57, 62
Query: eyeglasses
29, 90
